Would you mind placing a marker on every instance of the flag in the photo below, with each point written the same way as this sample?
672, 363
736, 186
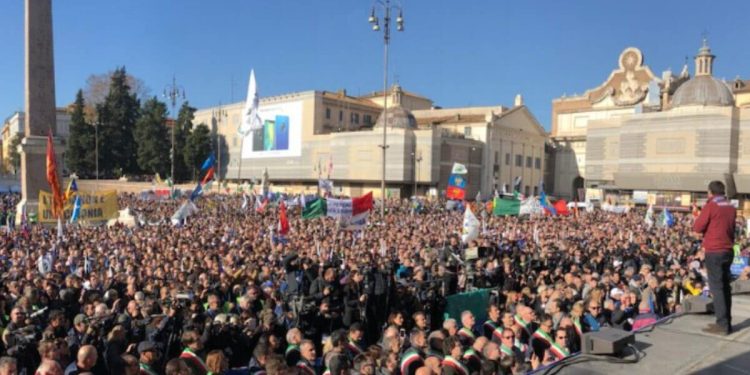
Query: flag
315, 208
244, 201
517, 184
456, 187
250, 117
561, 206
505, 191
196, 192
667, 219
478, 198
470, 227
209, 175
649, 220
52, 179
71, 190
283, 220
459, 169
347, 208
544, 201
302, 201
260, 203
185, 210
356, 222
506, 207
158, 179
59, 227
76, 210
209, 163
325, 185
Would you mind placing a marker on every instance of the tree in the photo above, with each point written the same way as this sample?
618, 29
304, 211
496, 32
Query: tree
15, 156
97, 88
80, 156
117, 116
183, 128
152, 138
198, 147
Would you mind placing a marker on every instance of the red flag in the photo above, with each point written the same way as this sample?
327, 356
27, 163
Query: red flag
362, 204
561, 207
209, 176
283, 221
52, 179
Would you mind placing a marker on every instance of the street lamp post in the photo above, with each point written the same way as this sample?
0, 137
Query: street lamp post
96, 150
218, 114
373, 20
417, 159
173, 92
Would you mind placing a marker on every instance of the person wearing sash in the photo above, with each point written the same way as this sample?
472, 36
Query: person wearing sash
307, 361
149, 355
413, 358
192, 342
559, 347
542, 339
292, 353
435, 345
508, 347
356, 332
525, 317
492, 329
452, 364
466, 333
472, 357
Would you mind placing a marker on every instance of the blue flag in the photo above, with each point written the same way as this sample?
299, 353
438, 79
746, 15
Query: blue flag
667, 218
76, 209
196, 192
208, 163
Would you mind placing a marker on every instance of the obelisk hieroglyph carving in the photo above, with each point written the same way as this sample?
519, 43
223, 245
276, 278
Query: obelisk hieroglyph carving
39, 104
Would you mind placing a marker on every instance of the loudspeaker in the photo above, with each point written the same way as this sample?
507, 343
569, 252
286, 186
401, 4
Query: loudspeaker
607, 341
698, 305
741, 287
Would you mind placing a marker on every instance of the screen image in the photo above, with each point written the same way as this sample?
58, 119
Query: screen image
280, 135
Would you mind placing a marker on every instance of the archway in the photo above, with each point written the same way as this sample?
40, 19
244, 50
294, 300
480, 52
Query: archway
577, 184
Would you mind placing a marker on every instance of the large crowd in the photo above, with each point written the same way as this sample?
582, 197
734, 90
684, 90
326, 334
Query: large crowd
224, 294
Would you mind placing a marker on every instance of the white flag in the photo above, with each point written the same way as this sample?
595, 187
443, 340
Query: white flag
250, 117
649, 216
459, 169
244, 201
471, 226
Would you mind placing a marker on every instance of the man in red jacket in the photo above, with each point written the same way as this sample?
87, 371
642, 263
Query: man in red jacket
716, 223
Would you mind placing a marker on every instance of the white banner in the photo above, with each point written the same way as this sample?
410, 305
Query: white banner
339, 208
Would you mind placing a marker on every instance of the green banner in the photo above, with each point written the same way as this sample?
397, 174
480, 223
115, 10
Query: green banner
476, 302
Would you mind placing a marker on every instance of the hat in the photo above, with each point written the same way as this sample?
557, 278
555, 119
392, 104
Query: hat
80, 318
146, 346
616, 292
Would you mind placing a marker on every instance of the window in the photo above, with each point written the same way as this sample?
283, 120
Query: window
519, 160
528, 162
367, 119
356, 118
495, 168
341, 116
497, 157
536, 190
538, 163
467, 131
526, 190
507, 159
328, 113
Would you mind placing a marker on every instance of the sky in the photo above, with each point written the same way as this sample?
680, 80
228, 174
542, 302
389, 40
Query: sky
455, 52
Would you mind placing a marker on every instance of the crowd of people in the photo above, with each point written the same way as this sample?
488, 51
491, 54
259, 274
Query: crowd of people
224, 294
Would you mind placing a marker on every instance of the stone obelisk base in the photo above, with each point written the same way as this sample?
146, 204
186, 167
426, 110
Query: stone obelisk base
33, 151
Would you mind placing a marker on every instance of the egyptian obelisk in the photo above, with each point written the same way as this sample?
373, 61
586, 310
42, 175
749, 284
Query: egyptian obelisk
39, 104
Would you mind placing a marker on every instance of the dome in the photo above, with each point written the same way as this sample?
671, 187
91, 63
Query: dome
703, 90
398, 117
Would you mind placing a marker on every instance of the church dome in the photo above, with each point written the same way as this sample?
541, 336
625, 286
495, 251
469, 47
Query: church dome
398, 117
703, 90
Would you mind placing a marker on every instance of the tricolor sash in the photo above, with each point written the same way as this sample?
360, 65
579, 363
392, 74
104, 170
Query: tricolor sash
455, 364
410, 356
305, 367
496, 331
577, 324
354, 348
467, 333
290, 348
188, 355
506, 350
469, 353
521, 322
559, 351
146, 369
544, 336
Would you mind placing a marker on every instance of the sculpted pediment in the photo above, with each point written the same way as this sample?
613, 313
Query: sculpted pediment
627, 85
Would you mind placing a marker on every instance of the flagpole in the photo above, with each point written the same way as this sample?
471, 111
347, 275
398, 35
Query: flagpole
239, 167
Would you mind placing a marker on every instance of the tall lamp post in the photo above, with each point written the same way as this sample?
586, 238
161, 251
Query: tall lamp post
218, 114
386, 8
417, 159
173, 92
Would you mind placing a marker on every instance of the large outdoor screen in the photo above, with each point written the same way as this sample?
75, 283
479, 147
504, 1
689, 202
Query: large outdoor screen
281, 134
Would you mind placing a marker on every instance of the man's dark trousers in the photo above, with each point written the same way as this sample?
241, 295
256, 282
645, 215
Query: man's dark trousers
718, 264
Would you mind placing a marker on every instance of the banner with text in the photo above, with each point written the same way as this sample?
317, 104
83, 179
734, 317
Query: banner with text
95, 206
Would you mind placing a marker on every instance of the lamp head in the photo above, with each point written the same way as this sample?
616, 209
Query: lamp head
375, 26
372, 19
